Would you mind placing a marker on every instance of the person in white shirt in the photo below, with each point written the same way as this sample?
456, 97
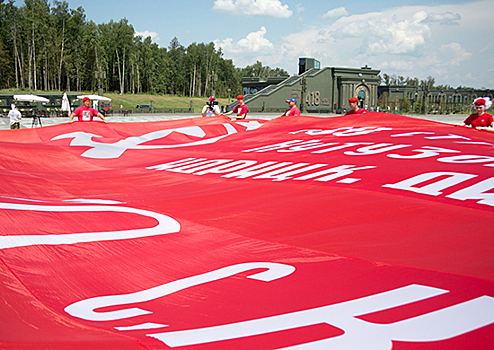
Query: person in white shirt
211, 108
15, 118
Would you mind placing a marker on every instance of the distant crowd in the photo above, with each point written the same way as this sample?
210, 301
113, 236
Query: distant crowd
479, 120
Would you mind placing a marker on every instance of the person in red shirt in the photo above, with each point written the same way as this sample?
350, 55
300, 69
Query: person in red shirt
294, 111
481, 118
85, 113
354, 109
241, 109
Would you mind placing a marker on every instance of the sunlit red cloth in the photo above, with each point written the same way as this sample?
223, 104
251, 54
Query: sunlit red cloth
346, 232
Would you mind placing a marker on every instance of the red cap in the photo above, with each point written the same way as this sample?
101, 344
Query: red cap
480, 101
240, 97
353, 99
212, 98
85, 99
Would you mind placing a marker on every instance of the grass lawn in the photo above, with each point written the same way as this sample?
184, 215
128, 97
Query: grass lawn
130, 101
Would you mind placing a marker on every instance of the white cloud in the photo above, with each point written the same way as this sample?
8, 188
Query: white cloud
454, 54
255, 41
335, 13
154, 36
488, 47
397, 65
269, 8
447, 17
408, 40
385, 35
253, 45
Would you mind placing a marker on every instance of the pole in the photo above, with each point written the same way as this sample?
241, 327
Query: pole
303, 82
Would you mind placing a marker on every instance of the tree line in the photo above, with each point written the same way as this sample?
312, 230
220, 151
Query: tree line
428, 83
47, 46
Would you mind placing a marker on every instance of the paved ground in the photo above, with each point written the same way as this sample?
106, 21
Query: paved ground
28, 122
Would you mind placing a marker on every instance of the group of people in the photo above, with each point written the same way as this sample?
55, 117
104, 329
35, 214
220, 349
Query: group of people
481, 119
83, 113
212, 108
478, 120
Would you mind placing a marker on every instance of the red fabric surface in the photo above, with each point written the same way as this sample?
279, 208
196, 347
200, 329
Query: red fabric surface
329, 239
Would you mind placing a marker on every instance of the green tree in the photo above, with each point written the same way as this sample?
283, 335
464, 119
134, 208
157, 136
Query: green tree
45, 46
176, 76
258, 70
418, 106
386, 79
406, 105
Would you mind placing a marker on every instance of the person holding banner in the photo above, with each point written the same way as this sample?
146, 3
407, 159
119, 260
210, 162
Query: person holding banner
293, 111
85, 113
354, 108
241, 109
480, 119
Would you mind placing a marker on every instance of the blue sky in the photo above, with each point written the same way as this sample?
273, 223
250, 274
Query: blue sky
450, 40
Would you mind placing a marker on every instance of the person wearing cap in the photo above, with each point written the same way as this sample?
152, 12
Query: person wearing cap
293, 111
241, 109
15, 117
480, 119
211, 108
354, 108
85, 113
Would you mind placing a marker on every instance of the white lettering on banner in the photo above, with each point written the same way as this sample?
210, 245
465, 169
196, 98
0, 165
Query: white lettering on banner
278, 146
375, 149
477, 191
242, 169
425, 152
447, 179
345, 145
175, 164
307, 145
285, 173
336, 172
249, 125
146, 326
166, 225
360, 131
467, 158
475, 143
443, 137
256, 170
101, 150
346, 131
84, 309
431, 184
447, 137
413, 134
300, 145
190, 168
226, 168
438, 325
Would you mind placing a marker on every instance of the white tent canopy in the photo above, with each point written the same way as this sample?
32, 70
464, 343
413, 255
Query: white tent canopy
65, 103
95, 97
31, 98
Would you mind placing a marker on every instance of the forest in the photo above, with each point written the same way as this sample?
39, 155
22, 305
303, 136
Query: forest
50, 47
46, 46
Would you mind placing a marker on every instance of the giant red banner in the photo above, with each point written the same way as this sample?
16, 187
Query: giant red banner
358, 232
